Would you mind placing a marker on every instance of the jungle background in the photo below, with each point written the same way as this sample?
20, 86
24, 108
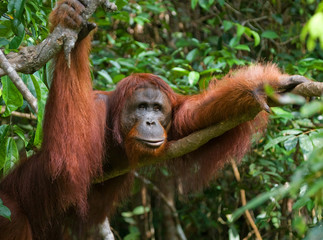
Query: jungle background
188, 43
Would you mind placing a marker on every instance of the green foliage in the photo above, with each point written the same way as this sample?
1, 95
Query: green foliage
4, 211
11, 96
313, 28
129, 217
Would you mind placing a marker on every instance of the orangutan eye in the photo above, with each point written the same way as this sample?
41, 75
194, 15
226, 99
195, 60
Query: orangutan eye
142, 106
157, 107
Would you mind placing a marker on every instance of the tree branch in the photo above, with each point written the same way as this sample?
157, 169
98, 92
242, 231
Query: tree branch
309, 89
19, 114
30, 59
195, 140
15, 78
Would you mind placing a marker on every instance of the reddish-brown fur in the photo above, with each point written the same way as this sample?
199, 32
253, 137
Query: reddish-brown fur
40, 189
227, 98
82, 132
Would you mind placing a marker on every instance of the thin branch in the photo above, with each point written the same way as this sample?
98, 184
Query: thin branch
147, 182
195, 140
232, 8
30, 59
244, 201
15, 78
21, 115
254, 20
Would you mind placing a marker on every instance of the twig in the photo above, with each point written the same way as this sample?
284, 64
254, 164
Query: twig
244, 201
232, 8
15, 78
168, 204
21, 115
254, 20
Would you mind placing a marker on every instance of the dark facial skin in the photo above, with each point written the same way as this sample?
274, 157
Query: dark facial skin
148, 111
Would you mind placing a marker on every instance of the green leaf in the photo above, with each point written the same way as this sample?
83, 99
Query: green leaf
290, 143
16, 41
210, 70
311, 108
221, 2
180, 70
291, 132
282, 113
194, 3
269, 34
121, 3
256, 37
315, 25
208, 60
227, 25
242, 47
127, 214
240, 30
315, 188
3, 42
4, 211
147, 54
193, 78
5, 29
205, 4
17, 7
301, 203
192, 55
103, 73
317, 138
141, 20
275, 141
11, 96
17, 130
305, 122
3, 143
234, 41
140, 210
306, 145
19, 30
115, 64
299, 224
12, 155
42, 93
117, 78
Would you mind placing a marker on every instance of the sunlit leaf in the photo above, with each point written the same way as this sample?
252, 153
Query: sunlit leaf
269, 34
12, 155
193, 78
140, 210
11, 96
